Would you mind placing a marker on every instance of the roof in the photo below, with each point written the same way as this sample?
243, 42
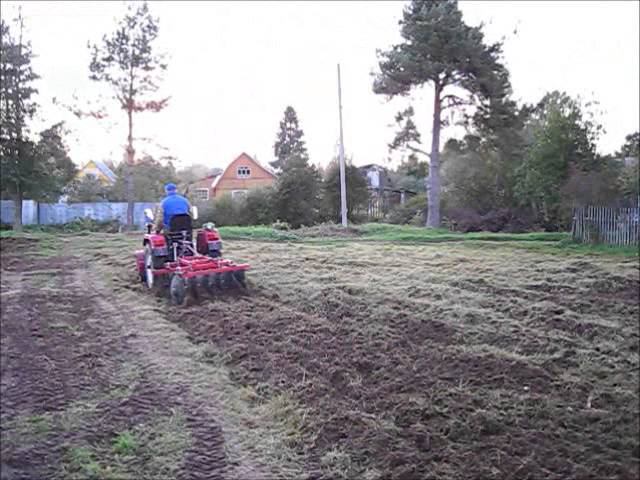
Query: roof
211, 177
106, 170
268, 170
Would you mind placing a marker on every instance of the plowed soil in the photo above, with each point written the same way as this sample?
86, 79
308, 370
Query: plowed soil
342, 360
88, 392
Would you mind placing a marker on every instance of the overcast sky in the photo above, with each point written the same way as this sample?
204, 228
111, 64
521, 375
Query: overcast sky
235, 66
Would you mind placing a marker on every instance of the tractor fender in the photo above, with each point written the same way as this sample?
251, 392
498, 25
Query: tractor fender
158, 244
208, 243
156, 240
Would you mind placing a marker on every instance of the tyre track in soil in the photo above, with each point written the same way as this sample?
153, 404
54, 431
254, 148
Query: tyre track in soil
206, 458
168, 353
67, 345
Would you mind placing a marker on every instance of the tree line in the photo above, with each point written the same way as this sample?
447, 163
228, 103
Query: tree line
518, 167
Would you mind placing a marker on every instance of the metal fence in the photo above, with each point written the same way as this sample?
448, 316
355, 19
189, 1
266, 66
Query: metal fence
611, 226
381, 201
34, 213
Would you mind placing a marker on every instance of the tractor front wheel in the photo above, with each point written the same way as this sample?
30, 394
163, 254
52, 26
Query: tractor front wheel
148, 267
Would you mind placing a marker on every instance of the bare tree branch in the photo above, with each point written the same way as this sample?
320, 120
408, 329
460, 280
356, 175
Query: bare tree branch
418, 150
454, 101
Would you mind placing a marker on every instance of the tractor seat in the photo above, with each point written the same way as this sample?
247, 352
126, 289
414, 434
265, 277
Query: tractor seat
180, 228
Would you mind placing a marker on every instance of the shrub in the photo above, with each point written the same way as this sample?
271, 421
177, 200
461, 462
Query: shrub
222, 211
499, 220
413, 212
356, 189
257, 207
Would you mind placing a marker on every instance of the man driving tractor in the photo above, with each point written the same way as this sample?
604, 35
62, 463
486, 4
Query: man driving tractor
170, 256
173, 204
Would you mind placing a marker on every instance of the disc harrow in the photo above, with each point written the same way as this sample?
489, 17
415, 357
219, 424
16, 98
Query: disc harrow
176, 266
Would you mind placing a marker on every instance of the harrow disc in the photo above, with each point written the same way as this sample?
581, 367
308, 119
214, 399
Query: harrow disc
212, 283
177, 290
162, 286
240, 278
192, 287
227, 280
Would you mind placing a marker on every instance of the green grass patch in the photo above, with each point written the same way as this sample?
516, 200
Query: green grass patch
380, 232
25, 234
568, 247
259, 232
39, 424
124, 444
161, 442
555, 243
81, 464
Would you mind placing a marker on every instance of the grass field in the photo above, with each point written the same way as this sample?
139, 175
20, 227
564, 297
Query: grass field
377, 352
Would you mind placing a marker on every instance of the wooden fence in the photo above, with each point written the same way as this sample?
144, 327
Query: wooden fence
611, 226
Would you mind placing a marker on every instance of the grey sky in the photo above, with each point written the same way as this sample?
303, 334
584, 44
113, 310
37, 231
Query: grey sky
235, 66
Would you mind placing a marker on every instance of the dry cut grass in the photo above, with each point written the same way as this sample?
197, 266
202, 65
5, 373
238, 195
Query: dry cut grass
441, 361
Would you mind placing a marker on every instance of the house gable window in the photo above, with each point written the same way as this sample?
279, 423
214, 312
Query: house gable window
201, 194
243, 172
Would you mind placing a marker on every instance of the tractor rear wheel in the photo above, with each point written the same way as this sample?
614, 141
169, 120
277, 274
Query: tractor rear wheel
177, 290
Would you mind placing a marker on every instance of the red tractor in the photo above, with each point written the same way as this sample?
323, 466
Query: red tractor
174, 260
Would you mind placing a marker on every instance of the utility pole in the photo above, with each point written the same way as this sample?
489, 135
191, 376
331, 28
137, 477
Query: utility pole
343, 185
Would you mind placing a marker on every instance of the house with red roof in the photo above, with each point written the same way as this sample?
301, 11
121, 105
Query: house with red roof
241, 175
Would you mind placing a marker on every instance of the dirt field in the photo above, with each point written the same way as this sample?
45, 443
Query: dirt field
344, 360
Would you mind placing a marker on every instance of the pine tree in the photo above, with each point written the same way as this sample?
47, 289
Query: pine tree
297, 194
30, 168
126, 61
441, 50
289, 141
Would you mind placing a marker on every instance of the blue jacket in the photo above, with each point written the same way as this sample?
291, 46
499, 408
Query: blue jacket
173, 204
